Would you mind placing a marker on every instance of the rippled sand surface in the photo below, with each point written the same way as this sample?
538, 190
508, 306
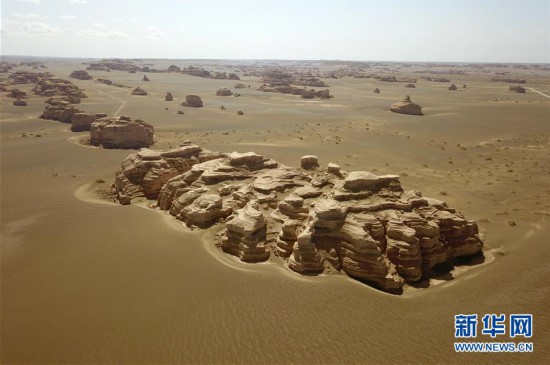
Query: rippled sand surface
89, 282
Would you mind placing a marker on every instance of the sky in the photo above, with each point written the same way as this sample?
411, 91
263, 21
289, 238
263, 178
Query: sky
364, 30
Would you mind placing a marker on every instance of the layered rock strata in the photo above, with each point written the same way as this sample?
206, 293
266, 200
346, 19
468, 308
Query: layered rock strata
121, 132
317, 220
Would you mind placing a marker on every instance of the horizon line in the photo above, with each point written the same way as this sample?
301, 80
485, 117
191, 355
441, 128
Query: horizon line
275, 59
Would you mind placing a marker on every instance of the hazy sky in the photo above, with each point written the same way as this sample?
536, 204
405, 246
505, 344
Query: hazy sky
394, 30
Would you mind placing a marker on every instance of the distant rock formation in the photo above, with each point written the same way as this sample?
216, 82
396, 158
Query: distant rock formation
193, 101
376, 90
121, 132
224, 92
240, 112
17, 94
352, 223
168, 97
19, 102
58, 87
113, 64
453, 87
139, 91
436, 79
200, 72
145, 78
81, 75
412, 86
59, 109
174, 68
239, 86
406, 106
518, 89
509, 80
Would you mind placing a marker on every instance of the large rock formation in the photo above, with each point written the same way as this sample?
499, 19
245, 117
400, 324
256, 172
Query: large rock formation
83, 121
81, 75
59, 109
51, 86
121, 132
194, 101
319, 220
406, 106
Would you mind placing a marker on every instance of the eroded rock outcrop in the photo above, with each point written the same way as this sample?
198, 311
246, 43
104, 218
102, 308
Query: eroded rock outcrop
83, 121
517, 89
193, 101
52, 86
406, 106
224, 92
80, 75
317, 220
121, 132
59, 109
139, 91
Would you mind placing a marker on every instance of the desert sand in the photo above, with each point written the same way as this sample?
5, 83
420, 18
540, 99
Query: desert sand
86, 280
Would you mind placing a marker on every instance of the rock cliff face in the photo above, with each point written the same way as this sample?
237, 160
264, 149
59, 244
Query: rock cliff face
406, 106
83, 121
121, 132
317, 219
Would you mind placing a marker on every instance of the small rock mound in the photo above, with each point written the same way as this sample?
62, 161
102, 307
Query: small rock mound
19, 102
517, 89
376, 91
406, 107
411, 86
168, 97
17, 94
193, 101
139, 91
453, 87
145, 78
121, 132
309, 162
224, 92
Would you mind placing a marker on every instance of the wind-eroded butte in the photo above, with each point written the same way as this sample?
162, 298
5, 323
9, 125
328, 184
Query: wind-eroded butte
317, 219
